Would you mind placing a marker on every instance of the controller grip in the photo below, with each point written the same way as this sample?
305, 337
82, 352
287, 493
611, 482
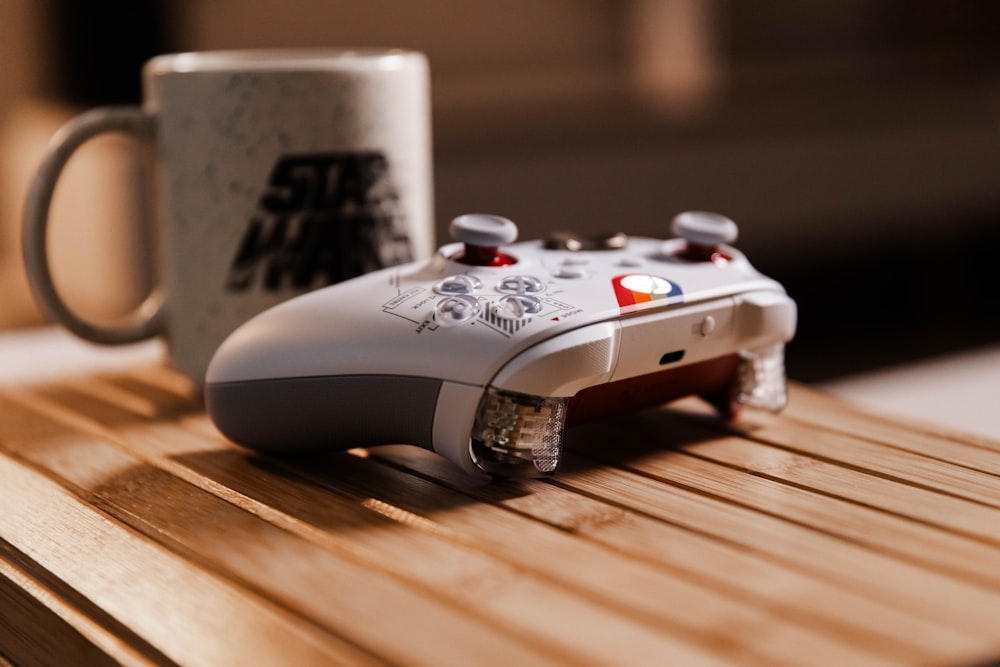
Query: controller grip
324, 413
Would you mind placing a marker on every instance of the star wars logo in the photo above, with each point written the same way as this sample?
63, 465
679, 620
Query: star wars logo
323, 218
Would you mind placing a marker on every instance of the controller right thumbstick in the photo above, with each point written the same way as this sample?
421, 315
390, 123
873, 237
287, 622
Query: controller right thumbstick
704, 228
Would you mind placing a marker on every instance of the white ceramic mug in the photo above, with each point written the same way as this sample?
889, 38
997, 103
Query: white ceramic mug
276, 172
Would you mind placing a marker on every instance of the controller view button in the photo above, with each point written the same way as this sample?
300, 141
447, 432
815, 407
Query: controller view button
571, 271
456, 310
460, 284
563, 241
521, 285
630, 262
517, 306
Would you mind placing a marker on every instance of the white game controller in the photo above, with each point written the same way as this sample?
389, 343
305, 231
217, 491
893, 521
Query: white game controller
485, 353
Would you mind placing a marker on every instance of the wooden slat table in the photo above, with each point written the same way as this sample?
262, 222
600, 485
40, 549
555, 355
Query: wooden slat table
132, 533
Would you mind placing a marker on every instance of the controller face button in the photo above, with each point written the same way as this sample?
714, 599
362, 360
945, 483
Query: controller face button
521, 285
456, 309
517, 306
462, 283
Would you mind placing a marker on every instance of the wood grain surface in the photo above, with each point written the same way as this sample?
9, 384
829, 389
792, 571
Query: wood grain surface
132, 533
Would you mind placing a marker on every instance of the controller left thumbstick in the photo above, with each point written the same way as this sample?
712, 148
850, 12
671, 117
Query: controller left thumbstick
482, 234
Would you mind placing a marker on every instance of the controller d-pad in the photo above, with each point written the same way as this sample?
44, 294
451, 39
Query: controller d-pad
521, 285
462, 283
516, 306
456, 309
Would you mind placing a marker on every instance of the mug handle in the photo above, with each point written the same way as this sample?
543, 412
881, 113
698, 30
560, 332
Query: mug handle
147, 320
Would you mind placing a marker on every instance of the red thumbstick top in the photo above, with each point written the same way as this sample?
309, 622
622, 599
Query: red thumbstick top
482, 235
705, 233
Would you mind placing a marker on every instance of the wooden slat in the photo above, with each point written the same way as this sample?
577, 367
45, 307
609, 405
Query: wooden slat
182, 610
548, 619
40, 626
669, 538
821, 411
341, 595
768, 519
489, 577
782, 484
786, 566
921, 638
914, 467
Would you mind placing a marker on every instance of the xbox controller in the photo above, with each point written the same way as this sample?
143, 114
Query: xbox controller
488, 351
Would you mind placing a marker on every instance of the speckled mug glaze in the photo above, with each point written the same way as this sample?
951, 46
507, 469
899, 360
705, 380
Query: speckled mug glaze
277, 172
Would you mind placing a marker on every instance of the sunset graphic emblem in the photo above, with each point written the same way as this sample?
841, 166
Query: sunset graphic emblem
639, 291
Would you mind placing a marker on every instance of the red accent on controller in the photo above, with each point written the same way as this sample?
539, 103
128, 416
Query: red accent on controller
484, 255
697, 252
713, 379
626, 297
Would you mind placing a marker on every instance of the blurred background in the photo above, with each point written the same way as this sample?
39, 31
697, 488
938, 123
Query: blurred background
856, 143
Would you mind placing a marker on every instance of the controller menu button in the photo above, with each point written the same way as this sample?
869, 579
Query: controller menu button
456, 309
